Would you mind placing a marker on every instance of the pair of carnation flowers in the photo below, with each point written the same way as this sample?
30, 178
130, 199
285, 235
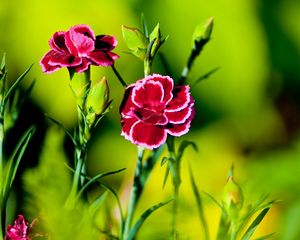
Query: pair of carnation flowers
151, 108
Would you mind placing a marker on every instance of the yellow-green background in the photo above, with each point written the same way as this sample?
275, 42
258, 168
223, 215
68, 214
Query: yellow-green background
248, 112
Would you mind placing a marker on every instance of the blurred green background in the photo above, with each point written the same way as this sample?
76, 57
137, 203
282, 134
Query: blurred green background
248, 112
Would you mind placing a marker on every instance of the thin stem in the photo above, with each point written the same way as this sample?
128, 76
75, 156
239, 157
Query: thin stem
196, 50
2, 208
119, 76
135, 192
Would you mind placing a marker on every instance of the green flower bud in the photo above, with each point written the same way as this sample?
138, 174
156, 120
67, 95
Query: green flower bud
233, 198
80, 83
202, 32
135, 41
97, 100
155, 36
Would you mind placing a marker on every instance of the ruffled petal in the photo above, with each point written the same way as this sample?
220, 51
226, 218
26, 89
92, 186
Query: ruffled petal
101, 58
147, 135
181, 99
180, 129
167, 84
46, 67
127, 124
105, 42
113, 55
180, 116
64, 60
148, 94
57, 42
83, 29
151, 117
127, 105
83, 66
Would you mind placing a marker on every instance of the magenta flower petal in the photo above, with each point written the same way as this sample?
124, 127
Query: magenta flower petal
57, 42
64, 60
19, 231
127, 124
178, 130
105, 42
146, 135
180, 116
127, 105
83, 29
181, 99
167, 84
78, 48
46, 67
101, 58
148, 94
147, 115
112, 55
83, 66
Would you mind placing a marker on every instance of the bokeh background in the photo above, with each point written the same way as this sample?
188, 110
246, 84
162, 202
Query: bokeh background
248, 112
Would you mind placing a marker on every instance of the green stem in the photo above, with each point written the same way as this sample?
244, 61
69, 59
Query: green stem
135, 192
174, 167
118, 75
196, 50
147, 67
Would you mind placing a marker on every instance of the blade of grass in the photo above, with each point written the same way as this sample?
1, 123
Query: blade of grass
199, 205
143, 217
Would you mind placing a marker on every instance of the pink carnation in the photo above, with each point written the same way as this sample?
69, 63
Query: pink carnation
78, 48
153, 108
19, 231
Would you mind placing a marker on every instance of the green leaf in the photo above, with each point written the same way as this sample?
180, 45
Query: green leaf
167, 172
206, 75
143, 217
13, 165
135, 41
113, 192
255, 224
3, 63
16, 158
96, 178
63, 127
144, 25
163, 161
199, 205
183, 145
265, 237
15, 85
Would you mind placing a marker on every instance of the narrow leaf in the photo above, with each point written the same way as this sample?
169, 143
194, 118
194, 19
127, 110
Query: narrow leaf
163, 161
16, 157
265, 237
3, 63
15, 85
183, 145
255, 224
63, 127
199, 205
144, 25
143, 217
96, 178
206, 75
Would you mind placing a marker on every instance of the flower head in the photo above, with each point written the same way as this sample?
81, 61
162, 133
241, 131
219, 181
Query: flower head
153, 108
78, 48
19, 231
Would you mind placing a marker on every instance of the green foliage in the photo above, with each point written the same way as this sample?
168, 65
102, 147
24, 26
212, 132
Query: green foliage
47, 187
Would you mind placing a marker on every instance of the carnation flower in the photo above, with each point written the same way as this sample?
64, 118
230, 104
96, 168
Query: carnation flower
153, 108
19, 231
78, 48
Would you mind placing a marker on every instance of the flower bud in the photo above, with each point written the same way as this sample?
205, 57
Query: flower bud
135, 41
233, 196
203, 33
97, 100
155, 36
79, 84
